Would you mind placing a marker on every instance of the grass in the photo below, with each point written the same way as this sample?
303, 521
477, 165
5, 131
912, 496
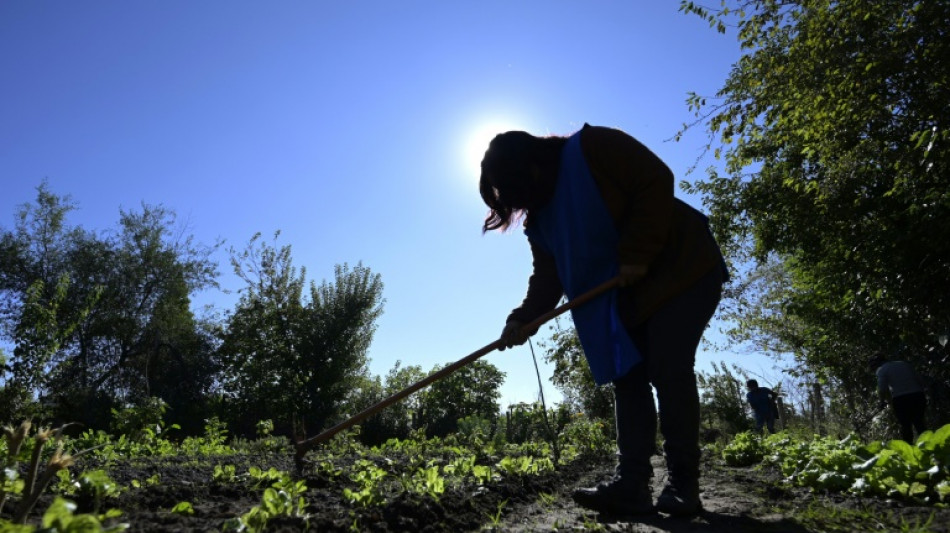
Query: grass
821, 516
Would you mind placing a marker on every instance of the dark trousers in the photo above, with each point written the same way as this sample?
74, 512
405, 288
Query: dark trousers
764, 419
910, 409
668, 341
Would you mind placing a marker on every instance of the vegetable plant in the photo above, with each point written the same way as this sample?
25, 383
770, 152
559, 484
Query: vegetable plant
918, 473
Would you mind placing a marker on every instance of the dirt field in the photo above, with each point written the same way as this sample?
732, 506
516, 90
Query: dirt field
736, 500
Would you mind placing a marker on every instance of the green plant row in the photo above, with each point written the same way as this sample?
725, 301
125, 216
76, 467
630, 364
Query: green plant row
153, 442
30, 448
373, 476
918, 473
365, 476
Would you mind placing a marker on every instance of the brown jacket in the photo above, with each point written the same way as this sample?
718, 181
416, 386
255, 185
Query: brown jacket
655, 229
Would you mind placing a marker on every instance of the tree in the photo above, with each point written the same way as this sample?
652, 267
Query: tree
340, 322
399, 419
290, 358
833, 128
122, 321
572, 375
259, 350
471, 391
38, 335
142, 339
722, 399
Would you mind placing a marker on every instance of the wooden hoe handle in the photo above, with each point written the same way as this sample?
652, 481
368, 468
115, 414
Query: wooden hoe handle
304, 445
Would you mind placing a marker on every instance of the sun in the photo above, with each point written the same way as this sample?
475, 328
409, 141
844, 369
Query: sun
476, 142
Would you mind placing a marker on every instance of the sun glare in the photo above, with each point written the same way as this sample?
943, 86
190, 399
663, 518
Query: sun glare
477, 142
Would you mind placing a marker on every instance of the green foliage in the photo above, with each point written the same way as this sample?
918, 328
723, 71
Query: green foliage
39, 333
572, 375
429, 482
101, 318
150, 481
525, 465
722, 399
836, 112
224, 474
526, 422
151, 443
367, 477
589, 437
38, 476
918, 473
328, 469
473, 390
284, 498
822, 516
264, 427
276, 339
261, 478
482, 474
396, 421
13, 453
429, 466
96, 485
134, 420
475, 430
216, 431
495, 518
547, 500
183, 508
746, 449
60, 518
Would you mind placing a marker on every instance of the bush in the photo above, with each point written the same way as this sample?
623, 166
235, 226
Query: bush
746, 449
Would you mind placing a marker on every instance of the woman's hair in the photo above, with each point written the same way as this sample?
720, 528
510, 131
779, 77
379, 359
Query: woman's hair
519, 172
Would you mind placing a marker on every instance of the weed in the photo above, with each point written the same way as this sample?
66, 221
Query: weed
283, 499
482, 474
224, 474
96, 485
916, 526
368, 477
149, 481
591, 524
36, 481
59, 517
265, 477
918, 473
495, 517
183, 508
547, 500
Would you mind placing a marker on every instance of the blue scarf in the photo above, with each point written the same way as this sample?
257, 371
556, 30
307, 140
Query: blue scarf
577, 230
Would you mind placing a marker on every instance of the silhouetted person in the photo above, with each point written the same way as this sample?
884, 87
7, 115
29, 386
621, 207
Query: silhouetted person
762, 401
596, 205
899, 381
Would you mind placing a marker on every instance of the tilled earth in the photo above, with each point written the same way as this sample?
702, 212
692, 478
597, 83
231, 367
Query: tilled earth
736, 500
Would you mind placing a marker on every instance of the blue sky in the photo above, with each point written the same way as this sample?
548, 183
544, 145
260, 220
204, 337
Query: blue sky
354, 128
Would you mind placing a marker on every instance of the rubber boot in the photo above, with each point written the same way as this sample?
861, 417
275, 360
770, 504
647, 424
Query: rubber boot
617, 497
680, 498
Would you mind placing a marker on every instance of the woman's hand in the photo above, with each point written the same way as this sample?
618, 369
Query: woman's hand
513, 335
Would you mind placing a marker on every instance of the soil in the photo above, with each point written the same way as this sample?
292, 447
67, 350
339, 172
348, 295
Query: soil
736, 500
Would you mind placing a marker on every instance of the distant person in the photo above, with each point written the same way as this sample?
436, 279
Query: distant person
899, 381
596, 205
762, 401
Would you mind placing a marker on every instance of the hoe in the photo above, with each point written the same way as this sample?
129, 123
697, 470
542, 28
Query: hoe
302, 446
